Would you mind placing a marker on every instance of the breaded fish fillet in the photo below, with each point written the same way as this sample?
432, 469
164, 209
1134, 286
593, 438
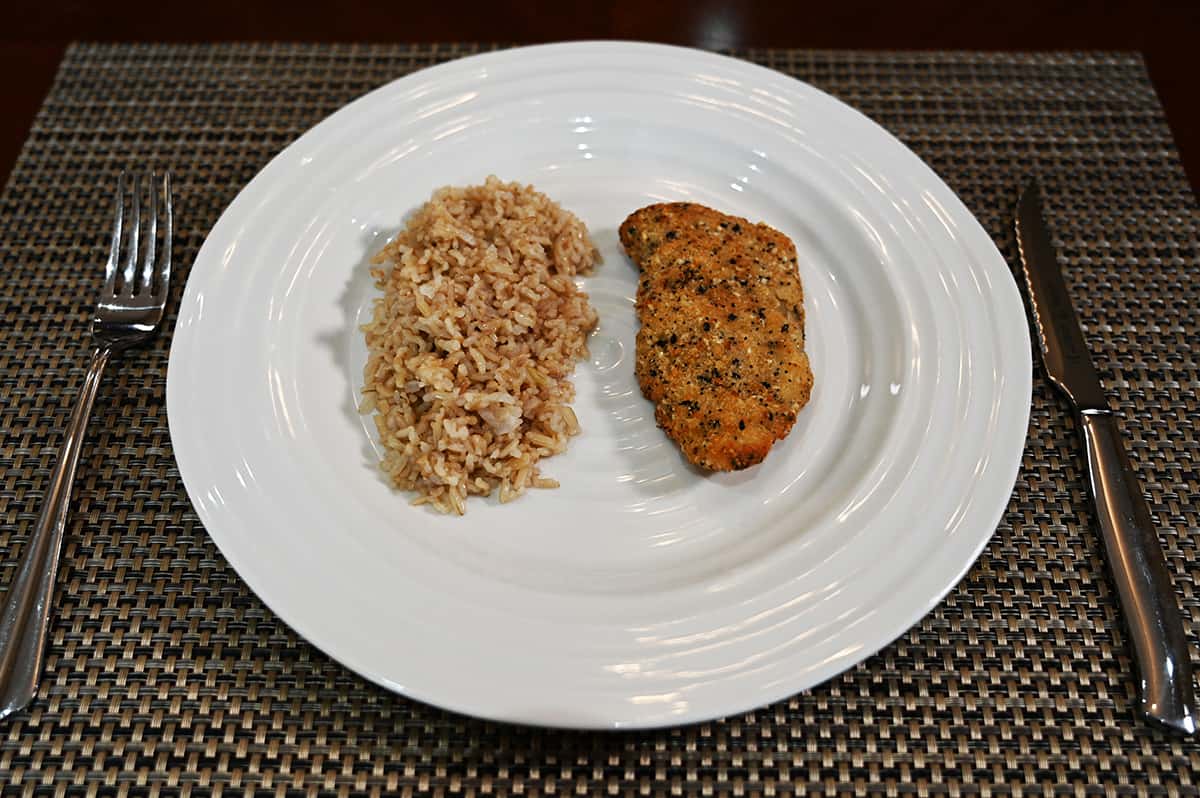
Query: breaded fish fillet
721, 346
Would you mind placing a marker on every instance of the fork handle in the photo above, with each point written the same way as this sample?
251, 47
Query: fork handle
26, 615
1143, 581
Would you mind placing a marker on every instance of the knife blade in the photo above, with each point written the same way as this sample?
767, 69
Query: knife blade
1064, 352
1135, 557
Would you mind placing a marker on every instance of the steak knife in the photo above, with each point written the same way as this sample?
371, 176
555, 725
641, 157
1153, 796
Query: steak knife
1135, 558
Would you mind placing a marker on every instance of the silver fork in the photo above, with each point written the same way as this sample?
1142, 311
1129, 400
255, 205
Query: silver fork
129, 311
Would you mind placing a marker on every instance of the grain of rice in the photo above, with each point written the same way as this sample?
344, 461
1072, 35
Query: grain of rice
474, 340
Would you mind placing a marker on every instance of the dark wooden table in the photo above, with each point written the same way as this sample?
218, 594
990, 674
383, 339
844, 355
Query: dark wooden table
33, 33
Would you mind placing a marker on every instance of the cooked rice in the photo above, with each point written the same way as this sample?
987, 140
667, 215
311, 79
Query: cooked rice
474, 340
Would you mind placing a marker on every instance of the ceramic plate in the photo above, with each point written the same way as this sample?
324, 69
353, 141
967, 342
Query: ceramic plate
642, 592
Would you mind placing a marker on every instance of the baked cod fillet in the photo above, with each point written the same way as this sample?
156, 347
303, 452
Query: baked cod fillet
721, 346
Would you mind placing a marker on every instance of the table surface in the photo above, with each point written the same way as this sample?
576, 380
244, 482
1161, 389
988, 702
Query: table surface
34, 34
166, 674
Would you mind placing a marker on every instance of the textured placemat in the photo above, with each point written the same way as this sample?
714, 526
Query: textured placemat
166, 675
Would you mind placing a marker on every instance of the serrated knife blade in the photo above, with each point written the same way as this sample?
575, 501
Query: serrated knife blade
1064, 351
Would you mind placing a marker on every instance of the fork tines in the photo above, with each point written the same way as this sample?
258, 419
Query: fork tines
146, 245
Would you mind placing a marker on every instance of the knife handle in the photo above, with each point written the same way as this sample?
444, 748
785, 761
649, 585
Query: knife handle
1143, 583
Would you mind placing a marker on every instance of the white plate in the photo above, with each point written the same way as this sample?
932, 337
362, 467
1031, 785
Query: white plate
641, 593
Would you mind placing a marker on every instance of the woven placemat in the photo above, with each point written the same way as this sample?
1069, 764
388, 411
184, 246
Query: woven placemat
166, 675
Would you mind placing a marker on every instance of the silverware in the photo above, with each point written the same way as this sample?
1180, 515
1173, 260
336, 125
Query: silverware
128, 312
1130, 541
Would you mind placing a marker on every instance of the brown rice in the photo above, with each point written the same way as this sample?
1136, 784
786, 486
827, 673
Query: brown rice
474, 340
